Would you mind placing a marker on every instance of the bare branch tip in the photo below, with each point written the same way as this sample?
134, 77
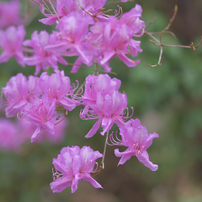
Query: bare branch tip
176, 8
195, 47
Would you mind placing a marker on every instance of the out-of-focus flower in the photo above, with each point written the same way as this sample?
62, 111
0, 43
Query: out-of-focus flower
10, 13
73, 165
10, 139
11, 44
27, 129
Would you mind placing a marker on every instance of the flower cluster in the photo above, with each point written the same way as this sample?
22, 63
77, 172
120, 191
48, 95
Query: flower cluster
107, 37
103, 102
84, 30
36, 100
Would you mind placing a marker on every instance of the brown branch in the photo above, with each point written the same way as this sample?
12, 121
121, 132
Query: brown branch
158, 42
172, 19
195, 47
65, 112
150, 22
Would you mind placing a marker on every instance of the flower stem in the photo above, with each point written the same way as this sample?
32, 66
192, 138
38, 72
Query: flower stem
104, 152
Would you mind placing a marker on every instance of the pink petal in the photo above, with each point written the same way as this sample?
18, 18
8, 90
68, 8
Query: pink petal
144, 159
94, 183
125, 156
94, 129
60, 184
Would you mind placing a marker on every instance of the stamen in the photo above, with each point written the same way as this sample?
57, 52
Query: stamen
114, 141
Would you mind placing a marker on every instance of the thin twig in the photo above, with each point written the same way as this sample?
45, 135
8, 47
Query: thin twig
150, 22
172, 19
65, 112
191, 46
158, 42
104, 152
36, 2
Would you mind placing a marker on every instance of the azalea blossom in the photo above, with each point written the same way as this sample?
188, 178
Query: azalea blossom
41, 113
9, 137
114, 38
72, 31
27, 129
42, 58
11, 44
64, 8
58, 86
104, 102
102, 84
15, 95
136, 138
10, 13
18, 92
73, 165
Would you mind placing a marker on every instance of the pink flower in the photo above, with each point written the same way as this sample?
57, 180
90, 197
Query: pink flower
18, 92
64, 8
73, 29
41, 113
74, 165
108, 109
136, 138
42, 58
28, 128
11, 136
103, 102
11, 44
101, 84
58, 86
10, 13
114, 38
132, 20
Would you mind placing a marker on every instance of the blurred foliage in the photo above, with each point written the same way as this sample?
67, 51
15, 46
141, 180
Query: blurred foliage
167, 99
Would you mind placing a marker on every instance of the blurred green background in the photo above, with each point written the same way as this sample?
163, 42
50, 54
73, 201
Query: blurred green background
167, 99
